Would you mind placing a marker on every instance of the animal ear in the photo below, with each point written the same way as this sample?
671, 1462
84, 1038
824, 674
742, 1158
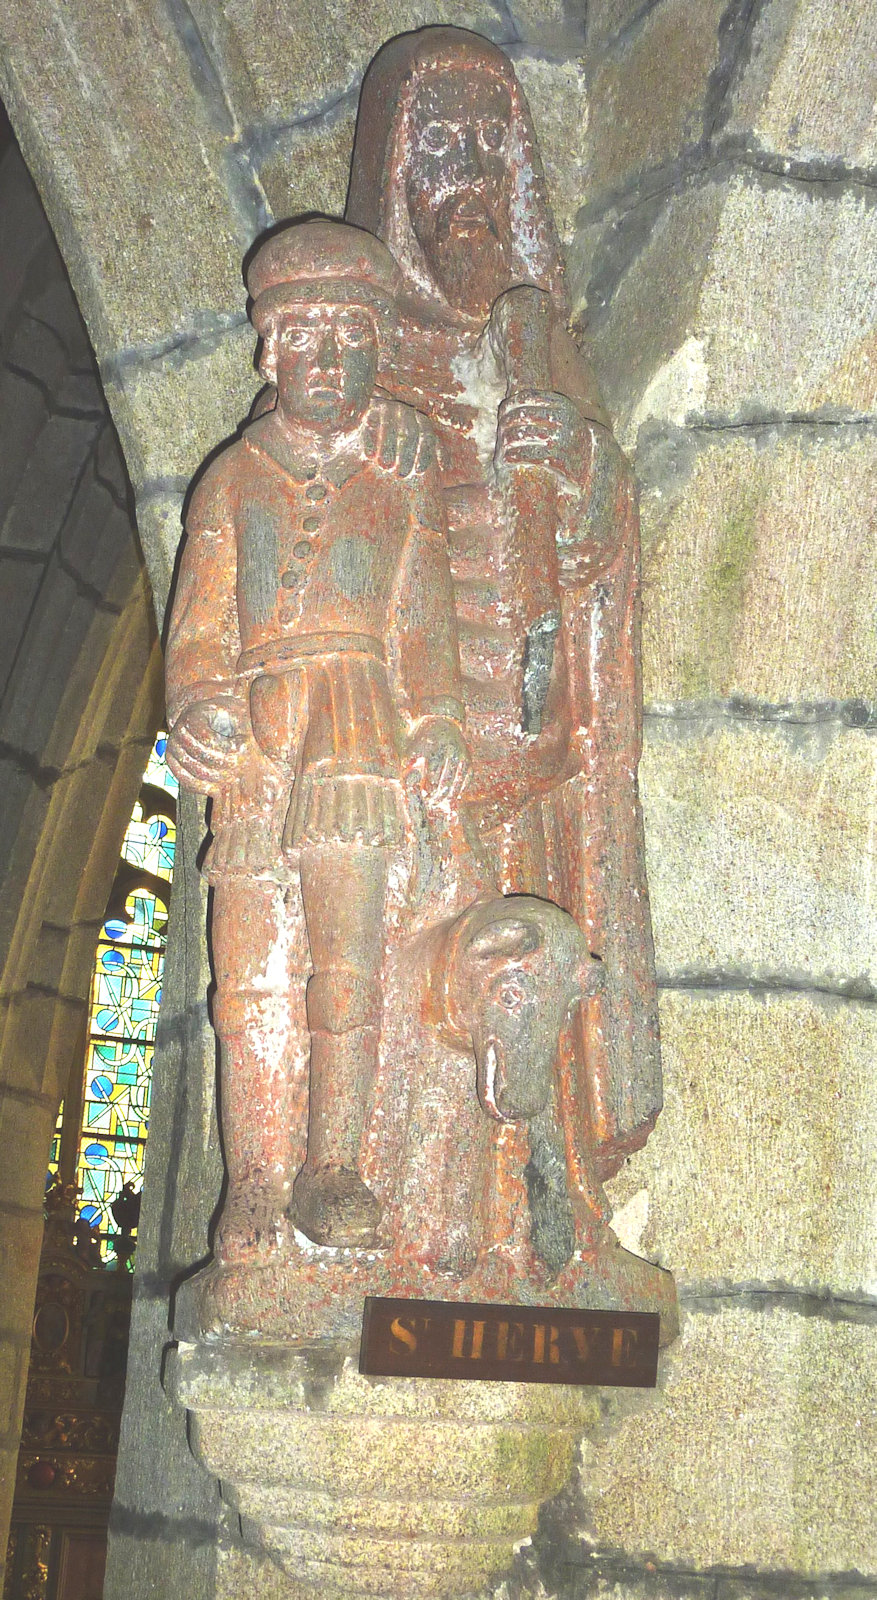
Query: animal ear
505, 938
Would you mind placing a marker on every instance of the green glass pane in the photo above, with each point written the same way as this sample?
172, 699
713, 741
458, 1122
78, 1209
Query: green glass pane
55, 1157
125, 995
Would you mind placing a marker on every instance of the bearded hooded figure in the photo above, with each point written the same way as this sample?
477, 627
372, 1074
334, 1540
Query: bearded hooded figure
544, 550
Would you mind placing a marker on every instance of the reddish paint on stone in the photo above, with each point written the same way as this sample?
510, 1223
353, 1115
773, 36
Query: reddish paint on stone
403, 662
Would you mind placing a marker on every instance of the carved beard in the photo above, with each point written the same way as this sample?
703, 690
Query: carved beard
466, 253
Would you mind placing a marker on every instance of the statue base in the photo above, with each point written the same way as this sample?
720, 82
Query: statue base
314, 1292
391, 1488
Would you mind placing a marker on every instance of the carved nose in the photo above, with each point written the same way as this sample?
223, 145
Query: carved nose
470, 155
327, 353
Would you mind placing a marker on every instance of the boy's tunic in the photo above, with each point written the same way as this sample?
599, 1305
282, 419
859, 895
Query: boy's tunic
323, 592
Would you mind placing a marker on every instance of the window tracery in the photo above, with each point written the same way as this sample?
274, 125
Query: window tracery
125, 996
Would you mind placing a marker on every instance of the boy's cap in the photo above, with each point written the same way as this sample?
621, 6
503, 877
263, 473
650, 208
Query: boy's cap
319, 260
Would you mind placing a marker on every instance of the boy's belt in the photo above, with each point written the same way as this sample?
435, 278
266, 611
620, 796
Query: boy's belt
280, 653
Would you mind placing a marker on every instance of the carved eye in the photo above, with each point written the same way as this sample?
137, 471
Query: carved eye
356, 333
513, 994
435, 138
296, 337
492, 135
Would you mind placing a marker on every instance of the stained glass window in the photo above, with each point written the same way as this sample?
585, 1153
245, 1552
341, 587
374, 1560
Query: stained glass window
55, 1157
125, 993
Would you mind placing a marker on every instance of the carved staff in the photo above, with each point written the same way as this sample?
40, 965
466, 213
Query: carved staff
520, 334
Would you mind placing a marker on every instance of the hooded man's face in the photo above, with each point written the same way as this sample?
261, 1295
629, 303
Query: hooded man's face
458, 185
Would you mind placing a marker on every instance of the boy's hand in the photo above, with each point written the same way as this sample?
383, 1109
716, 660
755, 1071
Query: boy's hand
438, 757
206, 742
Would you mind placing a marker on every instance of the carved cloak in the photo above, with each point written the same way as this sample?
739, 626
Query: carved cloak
593, 849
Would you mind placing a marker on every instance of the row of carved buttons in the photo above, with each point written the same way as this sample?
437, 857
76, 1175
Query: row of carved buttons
302, 548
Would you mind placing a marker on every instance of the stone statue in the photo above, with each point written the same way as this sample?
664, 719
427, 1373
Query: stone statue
314, 614
402, 662
544, 544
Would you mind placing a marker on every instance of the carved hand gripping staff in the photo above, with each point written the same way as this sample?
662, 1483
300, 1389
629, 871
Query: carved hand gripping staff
402, 662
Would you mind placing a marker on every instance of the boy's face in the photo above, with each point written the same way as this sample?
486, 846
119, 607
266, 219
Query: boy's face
327, 360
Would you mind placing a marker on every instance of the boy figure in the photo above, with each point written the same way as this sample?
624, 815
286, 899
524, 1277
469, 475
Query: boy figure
312, 663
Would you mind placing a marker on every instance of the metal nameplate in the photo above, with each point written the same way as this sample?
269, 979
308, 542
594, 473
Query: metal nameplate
520, 1344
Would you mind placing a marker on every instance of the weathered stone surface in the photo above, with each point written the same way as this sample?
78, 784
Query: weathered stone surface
47, 484
307, 167
605, 1579
25, 802
29, 1018
649, 95
274, 1377
97, 544
158, 1478
356, 1458
758, 575
23, 413
809, 86
557, 93
19, 582
282, 64
21, 1237
760, 843
836, 1587
763, 1164
551, 24
439, 113
25, 220
171, 412
738, 298
759, 1450
160, 525
409, 1486
130, 163
242, 1571
50, 655
13, 1364
607, 19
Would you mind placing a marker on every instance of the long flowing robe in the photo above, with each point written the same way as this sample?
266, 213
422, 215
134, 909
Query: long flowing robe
558, 806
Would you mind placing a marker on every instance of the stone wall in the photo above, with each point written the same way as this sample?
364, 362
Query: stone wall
724, 262
80, 697
712, 167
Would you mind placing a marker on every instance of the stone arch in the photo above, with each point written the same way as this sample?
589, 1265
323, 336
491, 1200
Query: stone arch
80, 698
715, 168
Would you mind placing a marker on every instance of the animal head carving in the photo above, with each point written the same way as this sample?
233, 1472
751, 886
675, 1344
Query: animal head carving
516, 967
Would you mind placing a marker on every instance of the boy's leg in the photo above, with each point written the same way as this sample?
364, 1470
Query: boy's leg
262, 1045
344, 890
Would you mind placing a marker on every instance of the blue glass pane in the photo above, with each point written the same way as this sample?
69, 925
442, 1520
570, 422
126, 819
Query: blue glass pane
125, 995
